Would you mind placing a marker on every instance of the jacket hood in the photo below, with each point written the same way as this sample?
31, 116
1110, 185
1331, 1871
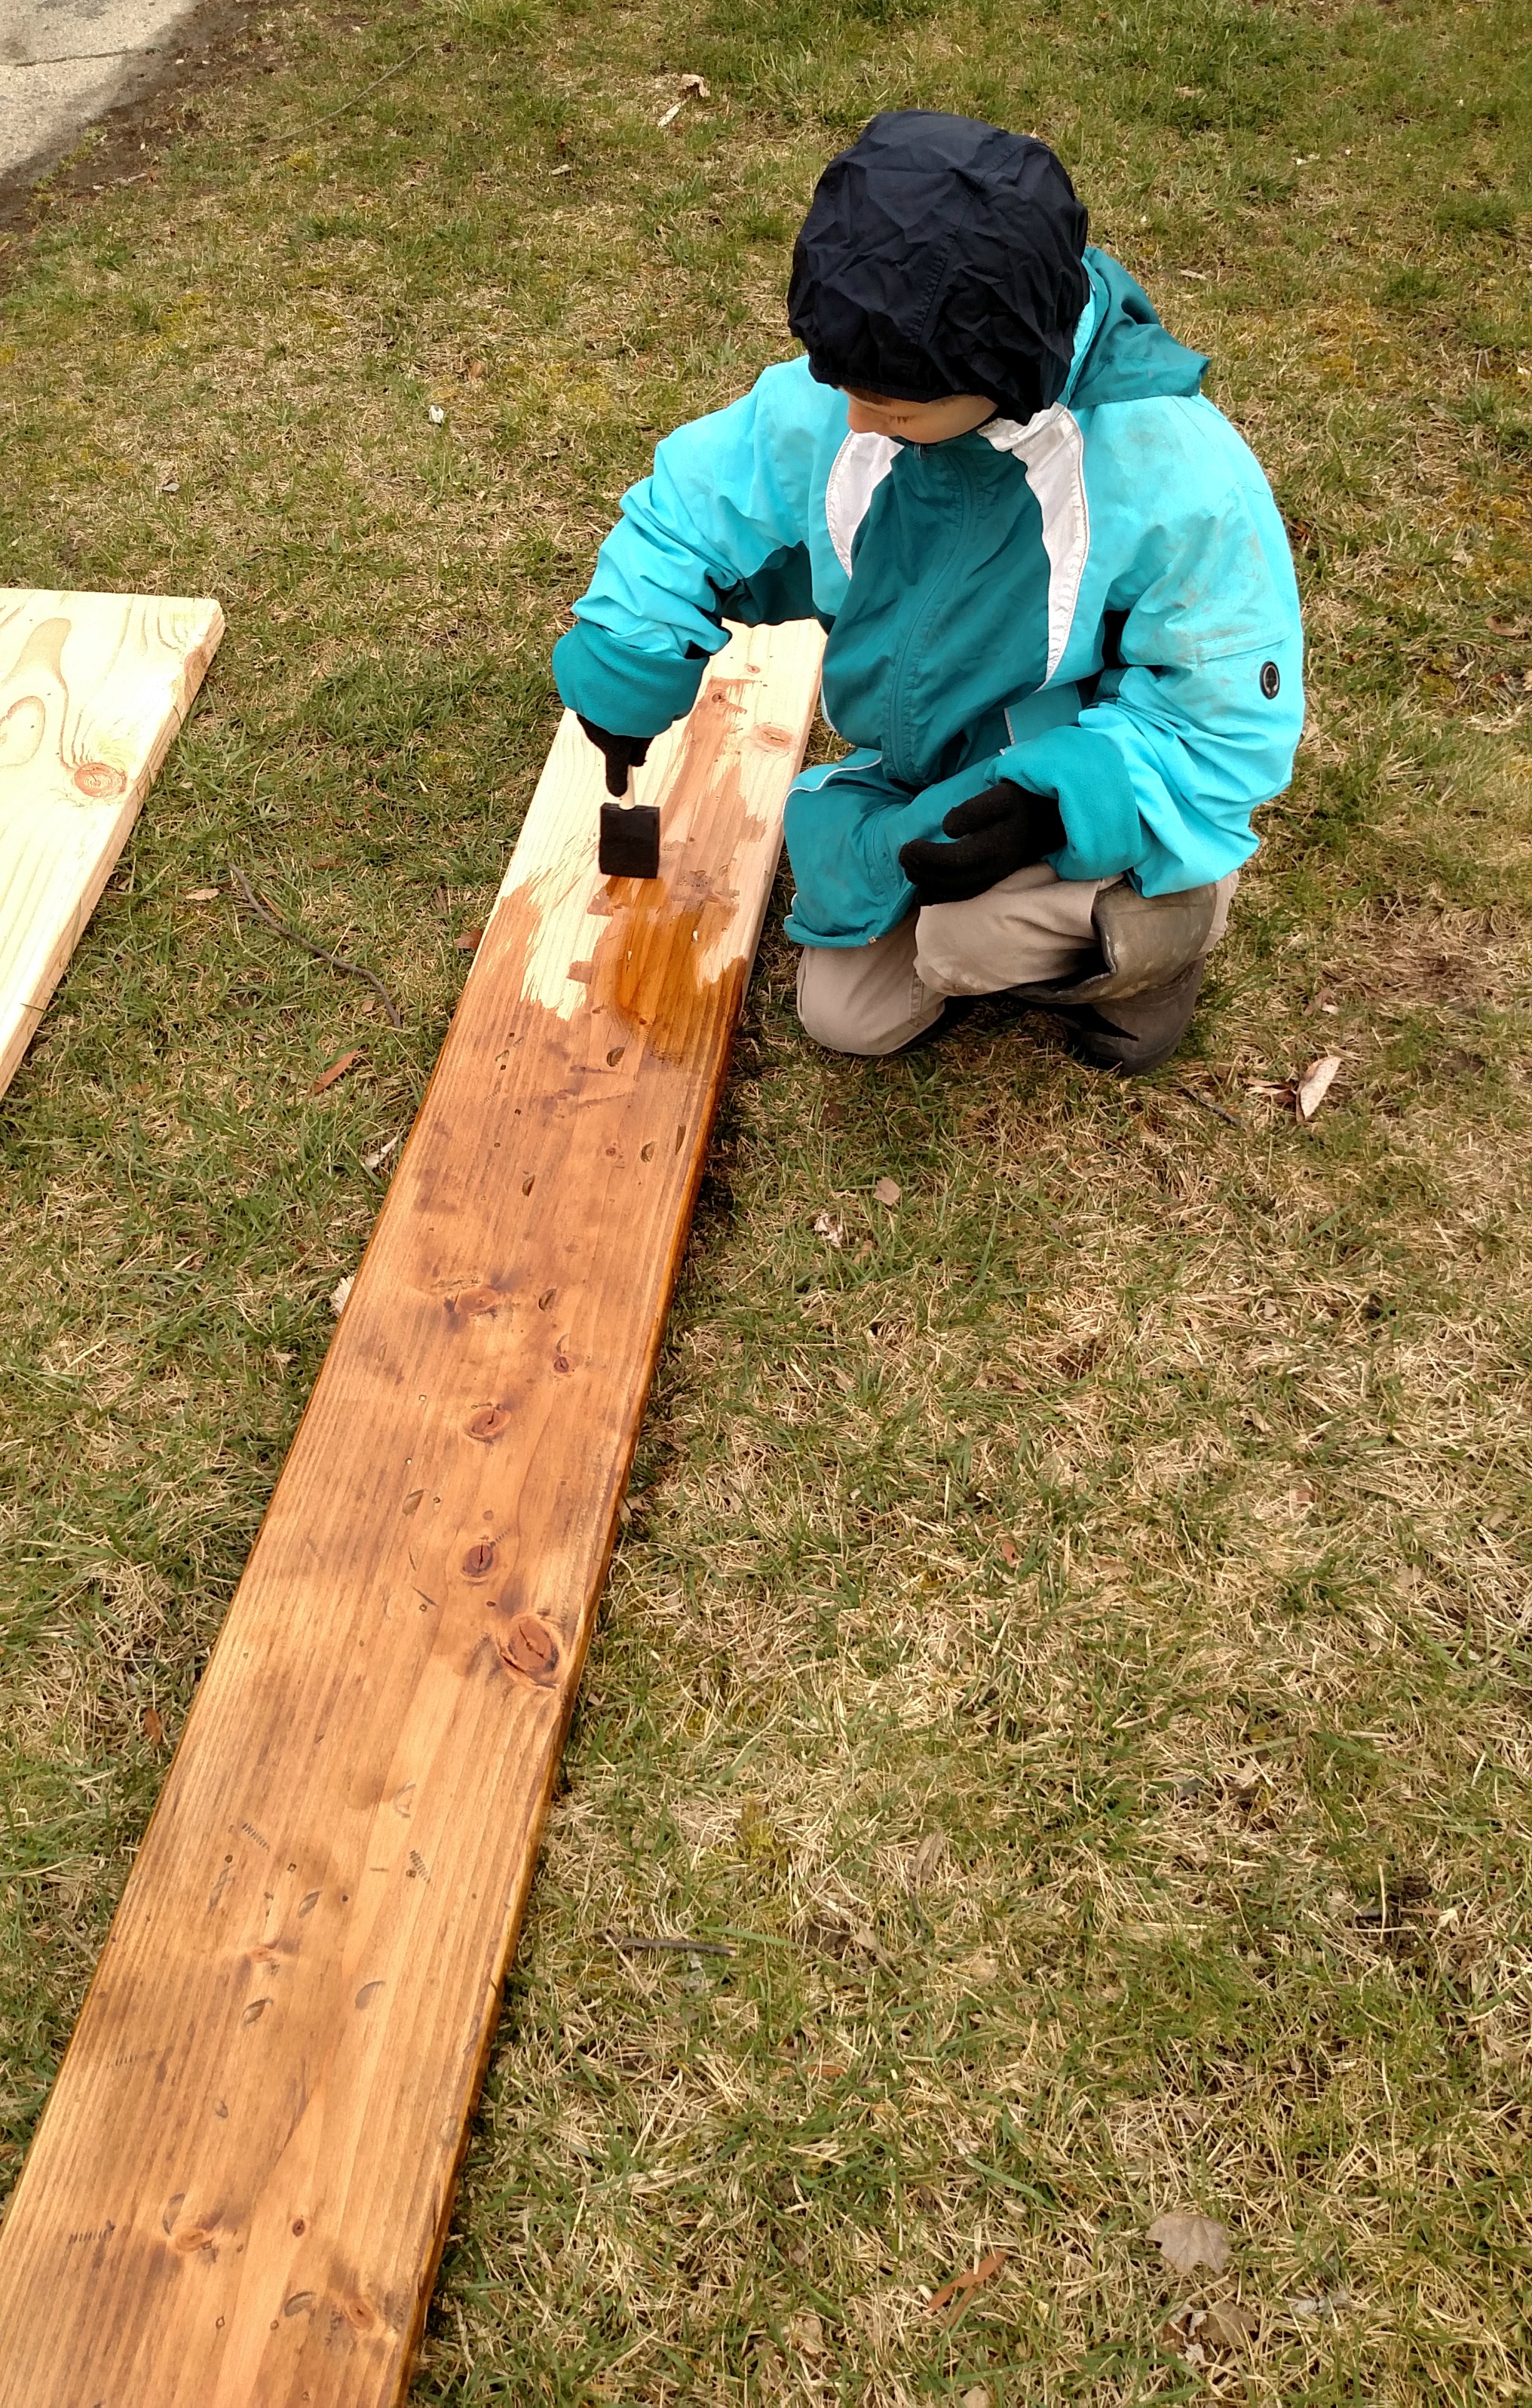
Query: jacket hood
943, 256
1122, 352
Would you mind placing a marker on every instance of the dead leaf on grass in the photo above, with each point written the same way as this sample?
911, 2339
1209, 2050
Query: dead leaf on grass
1229, 2326
690, 84
1190, 2240
977, 2398
887, 1191
203, 895
470, 941
1197, 2334
1010, 1551
153, 1727
1315, 1085
377, 1155
927, 1856
340, 1292
1178, 2332
837, 1932
830, 1230
338, 1069
956, 2293
806, 2333
1322, 2307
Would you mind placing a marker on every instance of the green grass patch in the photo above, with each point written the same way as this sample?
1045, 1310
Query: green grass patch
1074, 1635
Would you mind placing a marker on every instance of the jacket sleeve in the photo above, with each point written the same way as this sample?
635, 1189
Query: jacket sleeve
1199, 725
723, 522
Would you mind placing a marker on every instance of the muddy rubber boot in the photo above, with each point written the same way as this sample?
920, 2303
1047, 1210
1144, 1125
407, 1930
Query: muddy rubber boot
1132, 1033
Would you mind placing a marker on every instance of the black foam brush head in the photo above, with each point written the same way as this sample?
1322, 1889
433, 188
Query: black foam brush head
630, 840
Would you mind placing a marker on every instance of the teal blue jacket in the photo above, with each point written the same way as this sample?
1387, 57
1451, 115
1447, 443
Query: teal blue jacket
1099, 605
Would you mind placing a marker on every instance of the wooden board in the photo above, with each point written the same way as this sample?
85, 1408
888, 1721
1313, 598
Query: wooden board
93, 687
240, 2185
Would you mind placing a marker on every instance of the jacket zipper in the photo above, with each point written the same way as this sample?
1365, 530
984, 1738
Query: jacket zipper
900, 762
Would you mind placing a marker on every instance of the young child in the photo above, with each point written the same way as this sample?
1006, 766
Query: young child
1063, 628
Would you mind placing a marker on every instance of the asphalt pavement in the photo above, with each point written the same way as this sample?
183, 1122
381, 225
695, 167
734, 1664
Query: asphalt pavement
64, 61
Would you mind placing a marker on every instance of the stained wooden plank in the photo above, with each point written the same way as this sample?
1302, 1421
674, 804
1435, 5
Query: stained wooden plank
93, 687
240, 2185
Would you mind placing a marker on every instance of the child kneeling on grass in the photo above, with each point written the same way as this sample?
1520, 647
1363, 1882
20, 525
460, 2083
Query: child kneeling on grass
1062, 627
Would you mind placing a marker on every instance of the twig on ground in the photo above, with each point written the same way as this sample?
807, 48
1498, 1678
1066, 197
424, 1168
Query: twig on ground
77, 58
399, 64
294, 936
1208, 1106
636, 1941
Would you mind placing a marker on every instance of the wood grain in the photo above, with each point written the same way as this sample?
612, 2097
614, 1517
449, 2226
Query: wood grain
240, 2185
93, 687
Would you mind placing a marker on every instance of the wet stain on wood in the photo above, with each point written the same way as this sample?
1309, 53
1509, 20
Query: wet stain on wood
385, 1705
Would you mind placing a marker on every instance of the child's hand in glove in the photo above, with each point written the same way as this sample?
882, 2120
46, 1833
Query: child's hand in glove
623, 753
1002, 829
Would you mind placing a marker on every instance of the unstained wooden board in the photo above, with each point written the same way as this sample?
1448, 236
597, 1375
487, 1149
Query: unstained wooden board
240, 2187
93, 687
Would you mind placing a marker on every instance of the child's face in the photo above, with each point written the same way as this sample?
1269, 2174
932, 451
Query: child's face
916, 422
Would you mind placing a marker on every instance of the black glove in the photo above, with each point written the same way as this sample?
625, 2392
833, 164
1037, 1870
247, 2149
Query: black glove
623, 754
1002, 829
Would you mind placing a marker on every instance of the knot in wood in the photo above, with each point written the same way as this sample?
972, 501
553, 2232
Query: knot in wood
488, 1422
478, 1562
473, 1303
530, 1647
99, 782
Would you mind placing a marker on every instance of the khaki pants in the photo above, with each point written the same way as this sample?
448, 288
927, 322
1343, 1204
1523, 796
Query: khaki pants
1033, 926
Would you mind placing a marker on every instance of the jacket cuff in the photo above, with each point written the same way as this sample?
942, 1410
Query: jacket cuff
628, 693
1088, 777
844, 827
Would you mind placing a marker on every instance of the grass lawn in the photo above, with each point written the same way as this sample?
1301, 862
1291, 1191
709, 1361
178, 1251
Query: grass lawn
1073, 1637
